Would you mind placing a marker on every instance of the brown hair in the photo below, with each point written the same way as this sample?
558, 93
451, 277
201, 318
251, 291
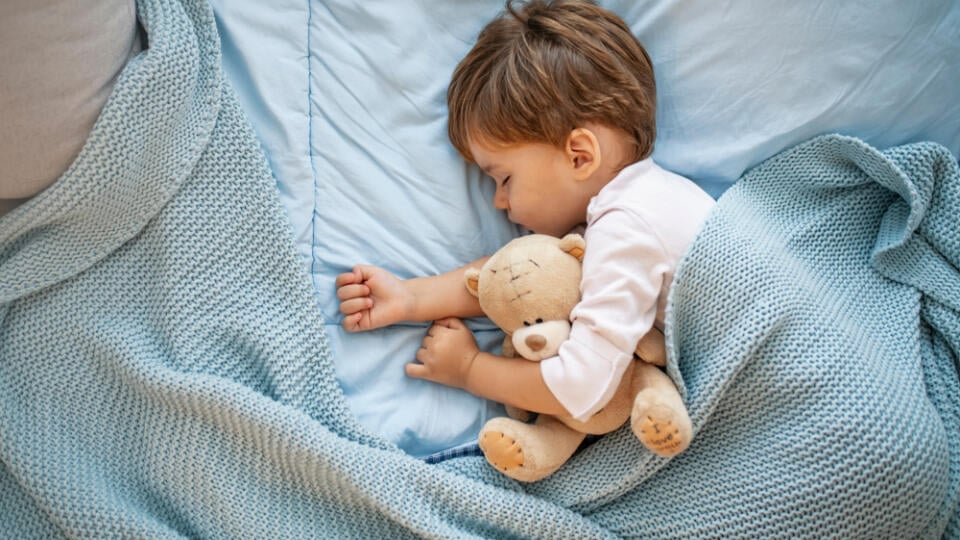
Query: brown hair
540, 71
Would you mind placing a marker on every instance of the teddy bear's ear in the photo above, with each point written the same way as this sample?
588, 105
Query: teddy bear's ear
573, 244
472, 281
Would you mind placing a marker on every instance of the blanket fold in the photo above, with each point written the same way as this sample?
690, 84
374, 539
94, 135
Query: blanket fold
845, 252
170, 109
164, 371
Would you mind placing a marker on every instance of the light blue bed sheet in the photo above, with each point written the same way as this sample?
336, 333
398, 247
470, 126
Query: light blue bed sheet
348, 99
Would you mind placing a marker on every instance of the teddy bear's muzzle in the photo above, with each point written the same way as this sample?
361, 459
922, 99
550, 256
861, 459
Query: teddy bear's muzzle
535, 342
539, 341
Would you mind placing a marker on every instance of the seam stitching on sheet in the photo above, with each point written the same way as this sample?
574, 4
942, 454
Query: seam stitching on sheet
313, 167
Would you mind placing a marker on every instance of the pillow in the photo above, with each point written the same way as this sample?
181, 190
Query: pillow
58, 64
740, 81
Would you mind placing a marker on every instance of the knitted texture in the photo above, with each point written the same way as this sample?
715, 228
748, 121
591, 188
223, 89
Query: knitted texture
164, 371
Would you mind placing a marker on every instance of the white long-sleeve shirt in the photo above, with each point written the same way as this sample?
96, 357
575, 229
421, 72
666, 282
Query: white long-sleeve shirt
638, 228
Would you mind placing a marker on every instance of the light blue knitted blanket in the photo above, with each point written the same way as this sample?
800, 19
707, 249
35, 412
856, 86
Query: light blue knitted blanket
164, 371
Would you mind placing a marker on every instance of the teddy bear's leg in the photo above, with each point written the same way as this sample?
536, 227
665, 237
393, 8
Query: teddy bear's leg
659, 418
652, 348
528, 452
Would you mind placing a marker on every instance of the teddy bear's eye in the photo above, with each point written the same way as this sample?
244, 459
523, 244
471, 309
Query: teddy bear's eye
525, 323
539, 321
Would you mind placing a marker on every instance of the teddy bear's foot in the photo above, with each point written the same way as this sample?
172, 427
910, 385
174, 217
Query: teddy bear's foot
659, 417
501, 450
528, 452
660, 430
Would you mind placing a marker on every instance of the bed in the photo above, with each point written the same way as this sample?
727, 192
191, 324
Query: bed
192, 378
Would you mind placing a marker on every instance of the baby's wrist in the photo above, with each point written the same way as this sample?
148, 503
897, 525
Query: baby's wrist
468, 371
470, 358
409, 306
417, 304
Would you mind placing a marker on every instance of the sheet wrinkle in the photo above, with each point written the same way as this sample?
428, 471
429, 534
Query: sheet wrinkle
372, 119
315, 264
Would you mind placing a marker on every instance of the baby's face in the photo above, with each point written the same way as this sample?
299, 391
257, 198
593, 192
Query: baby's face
535, 185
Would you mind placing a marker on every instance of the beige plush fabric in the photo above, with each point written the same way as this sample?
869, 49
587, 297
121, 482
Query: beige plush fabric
58, 64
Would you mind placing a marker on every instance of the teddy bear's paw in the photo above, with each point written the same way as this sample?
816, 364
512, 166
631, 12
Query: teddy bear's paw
501, 450
660, 430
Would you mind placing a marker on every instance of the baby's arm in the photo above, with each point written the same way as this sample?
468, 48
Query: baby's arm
371, 297
450, 356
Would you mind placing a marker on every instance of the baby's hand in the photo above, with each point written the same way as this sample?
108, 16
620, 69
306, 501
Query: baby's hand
447, 354
370, 297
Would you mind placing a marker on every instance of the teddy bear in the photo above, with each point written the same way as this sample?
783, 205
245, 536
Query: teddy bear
528, 289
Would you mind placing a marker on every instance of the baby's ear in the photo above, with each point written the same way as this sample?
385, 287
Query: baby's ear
574, 245
472, 281
583, 152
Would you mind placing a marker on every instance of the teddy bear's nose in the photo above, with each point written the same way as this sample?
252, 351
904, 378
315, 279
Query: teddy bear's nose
535, 342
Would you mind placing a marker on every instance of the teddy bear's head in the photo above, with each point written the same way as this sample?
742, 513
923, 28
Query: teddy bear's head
528, 288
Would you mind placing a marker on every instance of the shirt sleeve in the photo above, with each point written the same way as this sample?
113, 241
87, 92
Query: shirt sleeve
624, 269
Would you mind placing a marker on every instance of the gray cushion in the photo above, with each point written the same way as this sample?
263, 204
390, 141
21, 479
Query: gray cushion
58, 63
